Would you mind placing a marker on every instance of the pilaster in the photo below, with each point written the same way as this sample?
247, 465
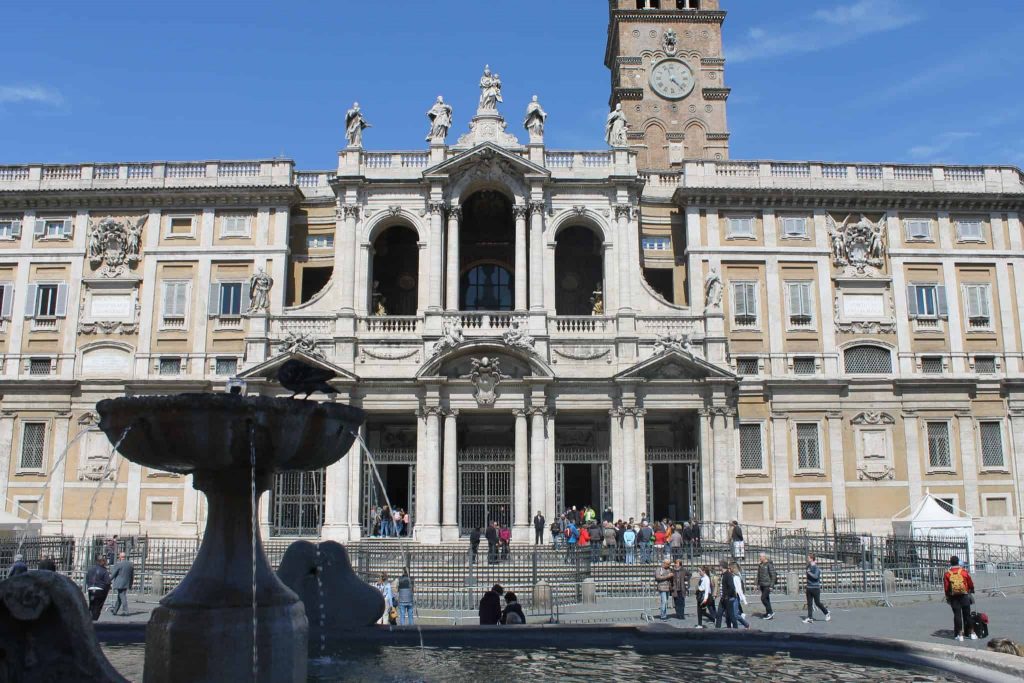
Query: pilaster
912, 435
615, 455
626, 267
6, 456
58, 472
452, 284
837, 463
450, 474
345, 254
969, 463
521, 271
536, 256
436, 211
629, 480
640, 455
428, 492
780, 467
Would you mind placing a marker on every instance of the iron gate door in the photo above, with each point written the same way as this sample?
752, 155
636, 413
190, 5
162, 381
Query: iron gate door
595, 458
485, 495
690, 459
373, 495
297, 504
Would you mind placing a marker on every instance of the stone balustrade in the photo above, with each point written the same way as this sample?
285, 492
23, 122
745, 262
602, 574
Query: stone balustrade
155, 174
391, 324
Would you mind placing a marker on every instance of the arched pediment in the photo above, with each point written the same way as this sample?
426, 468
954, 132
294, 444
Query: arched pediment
457, 362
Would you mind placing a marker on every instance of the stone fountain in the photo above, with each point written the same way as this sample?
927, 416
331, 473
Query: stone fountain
203, 630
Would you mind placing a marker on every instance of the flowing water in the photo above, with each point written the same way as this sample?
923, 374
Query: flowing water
99, 485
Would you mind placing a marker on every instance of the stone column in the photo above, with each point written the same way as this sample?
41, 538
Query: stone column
538, 462
969, 463
629, 465
639, 438
356, 467
707, 466
780, 467
345, 254
6, 455
1016, 464
55, 487
617, 486
550, 506
337, 521
522, 274
452, 285
520, 496
536, 256
725, 480
837, 469
132, 495
450, 486
610, 287
428, 483
622, 215
436, 277
911, 434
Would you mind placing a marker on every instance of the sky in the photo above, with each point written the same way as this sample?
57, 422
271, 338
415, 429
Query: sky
913, 81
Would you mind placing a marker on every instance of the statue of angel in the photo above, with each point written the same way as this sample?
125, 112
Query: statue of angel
355, 123
440, 116
616, 127
836, 238
133, 237
876, 250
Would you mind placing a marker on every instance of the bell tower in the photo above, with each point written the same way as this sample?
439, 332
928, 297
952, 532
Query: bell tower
668, 72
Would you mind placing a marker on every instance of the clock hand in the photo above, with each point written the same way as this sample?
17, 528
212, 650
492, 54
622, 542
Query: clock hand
675, 80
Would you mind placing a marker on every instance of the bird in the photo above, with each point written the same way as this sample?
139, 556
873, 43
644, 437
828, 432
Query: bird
303, 378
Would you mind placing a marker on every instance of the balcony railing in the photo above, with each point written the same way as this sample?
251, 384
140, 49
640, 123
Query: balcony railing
318, 326
41, 176
489, 322
662, 325
391, 324
581, 324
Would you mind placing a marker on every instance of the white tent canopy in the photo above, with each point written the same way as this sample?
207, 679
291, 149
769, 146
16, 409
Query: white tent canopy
930, 520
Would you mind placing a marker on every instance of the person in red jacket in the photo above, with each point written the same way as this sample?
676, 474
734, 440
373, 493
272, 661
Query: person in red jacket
958, 586
584, 537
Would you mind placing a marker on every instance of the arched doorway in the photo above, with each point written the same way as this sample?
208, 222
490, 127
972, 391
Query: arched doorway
395, 275
487, 253
579, 270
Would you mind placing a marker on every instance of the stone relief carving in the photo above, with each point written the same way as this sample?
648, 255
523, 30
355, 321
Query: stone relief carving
355, 123
107, 327
389, 352
673, 342
486, 376
516, 338
616, 127
440, 116
260, 285
858, 247
301, 342
583, 353
536, 117
712, 291
670, 41
876, 473
579, 210
873, 417
451, 336
113, 246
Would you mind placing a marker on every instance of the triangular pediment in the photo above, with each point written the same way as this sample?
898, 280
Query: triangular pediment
457, 362
268, 368
488, 154
675, 365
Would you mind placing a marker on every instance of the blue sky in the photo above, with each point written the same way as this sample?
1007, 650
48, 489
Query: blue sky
856, 80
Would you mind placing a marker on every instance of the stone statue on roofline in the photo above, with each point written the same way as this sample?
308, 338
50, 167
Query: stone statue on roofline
616, 127
355, 123
440, 116
535, 119
490, 90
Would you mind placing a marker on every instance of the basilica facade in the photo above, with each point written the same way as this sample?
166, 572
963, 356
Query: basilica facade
651, 327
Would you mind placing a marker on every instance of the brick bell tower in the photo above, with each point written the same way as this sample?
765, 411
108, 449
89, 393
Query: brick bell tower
668, 72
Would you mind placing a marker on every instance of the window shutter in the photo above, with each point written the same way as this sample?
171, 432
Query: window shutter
69, 227
8, 300
214, 306
912, 301
168, 299
16, 229
40, 229
740, 299
940, 296
62, 300
983, 307
30, 301
181, 298
751, 300
245, 298
805, 292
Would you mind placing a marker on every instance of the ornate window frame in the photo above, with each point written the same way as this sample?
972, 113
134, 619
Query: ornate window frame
938, 469
794, 426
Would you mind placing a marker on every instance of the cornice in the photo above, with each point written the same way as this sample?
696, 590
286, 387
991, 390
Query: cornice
719, 94
852, 199
150, 197
629, 94
673, 16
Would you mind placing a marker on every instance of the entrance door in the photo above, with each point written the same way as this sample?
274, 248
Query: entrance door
398, 485
581, 484
674, 490
297, 504
485, 495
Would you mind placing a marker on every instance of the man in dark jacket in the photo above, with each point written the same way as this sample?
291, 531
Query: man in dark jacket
607, 516
492, 543
680, 587
490, 606
766, 577
19, 566
538, 528
48, 564
736, 536
122, 579
513, 613
474, 544
97, 583
813, 590
645, 541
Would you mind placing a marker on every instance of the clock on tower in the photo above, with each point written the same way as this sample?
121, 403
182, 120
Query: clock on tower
668, 72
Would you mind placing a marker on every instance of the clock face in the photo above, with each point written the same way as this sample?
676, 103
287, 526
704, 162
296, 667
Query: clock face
672, 79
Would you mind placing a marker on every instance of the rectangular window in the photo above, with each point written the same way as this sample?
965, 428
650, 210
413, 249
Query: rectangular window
181, 226
927, 301
10, 228
226, 367
801, 306
747, 366
235, 225
174, 303
46, 301
170, 367
810, 509
6, 300
161, 511
938, 445
39, 366
808, 452
947, 504
794, 226
931, 365
319, 241
744, 302
751, 451
991, 444
53, 228
969, 230
804, 365
978, 307
919, 229
33, 444
230, 299
656, 243
740, 226
985, 365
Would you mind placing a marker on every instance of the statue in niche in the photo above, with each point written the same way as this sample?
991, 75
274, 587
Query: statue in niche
440, 116
490, 90
355, 123
535, 119
259, 292
597, 303
713, 290
616, 127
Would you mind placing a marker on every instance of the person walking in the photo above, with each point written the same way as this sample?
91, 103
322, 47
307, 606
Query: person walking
405, 598
610, 541
572, 540
385, 521
814, 590
97, 585
726, 597
645, 539
505, 539
766, 577
474, 544
736, 537
680, 587
629, 543
18, 566
958, 586
538, 529
675, 543
513, 612
490, 606
384, 587
705, 597
663, 579
492, 542
741, 597
122, 579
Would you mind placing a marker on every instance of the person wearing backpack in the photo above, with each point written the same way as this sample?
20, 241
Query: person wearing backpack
959, 587
766, 578
572, 539
629, 543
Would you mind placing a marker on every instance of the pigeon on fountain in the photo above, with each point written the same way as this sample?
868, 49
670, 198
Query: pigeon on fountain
303, 378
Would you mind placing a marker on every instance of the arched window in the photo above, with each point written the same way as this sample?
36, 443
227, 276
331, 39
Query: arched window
487, 287
860, 360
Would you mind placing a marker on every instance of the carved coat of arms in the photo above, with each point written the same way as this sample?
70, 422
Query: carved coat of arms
859, 247
485, 377
113, 246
